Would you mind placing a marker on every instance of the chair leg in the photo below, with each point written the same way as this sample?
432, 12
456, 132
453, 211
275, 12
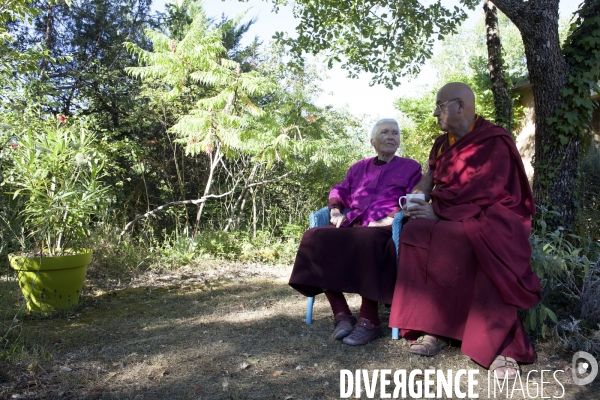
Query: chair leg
395, 334
309, 309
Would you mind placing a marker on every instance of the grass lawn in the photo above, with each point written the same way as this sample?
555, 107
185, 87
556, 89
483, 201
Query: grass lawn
216, 330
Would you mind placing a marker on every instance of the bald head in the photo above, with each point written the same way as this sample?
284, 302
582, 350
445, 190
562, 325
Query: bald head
455, 109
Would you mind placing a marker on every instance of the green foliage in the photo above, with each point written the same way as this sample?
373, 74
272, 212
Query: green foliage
311, 134
114, 259
228, 115
10, 223
10, 12
582, 52
388, 39
173, 251
74, 66
242, 246
173, 62
480, 81
74, 62
588, 224
179, 17
458, 52
19, 61
263, 121
391, 39
57, 169
570, 125
462, 58
418, 127
576, 337
564, 262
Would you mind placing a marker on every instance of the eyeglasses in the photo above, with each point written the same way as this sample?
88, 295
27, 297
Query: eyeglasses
439, 107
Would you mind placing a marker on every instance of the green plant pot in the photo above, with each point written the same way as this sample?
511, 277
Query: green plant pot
51, 282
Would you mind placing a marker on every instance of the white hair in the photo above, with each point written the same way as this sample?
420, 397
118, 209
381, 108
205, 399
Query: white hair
383, 121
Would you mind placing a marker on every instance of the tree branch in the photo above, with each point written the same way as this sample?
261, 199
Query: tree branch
165, 206
268, 180
73, 86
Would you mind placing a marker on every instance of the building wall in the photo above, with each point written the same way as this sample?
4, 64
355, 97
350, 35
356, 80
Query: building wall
526, 134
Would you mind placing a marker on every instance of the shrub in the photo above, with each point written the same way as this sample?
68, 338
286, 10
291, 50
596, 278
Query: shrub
588, 222
265, 247
114, 259
569, 268
59, 172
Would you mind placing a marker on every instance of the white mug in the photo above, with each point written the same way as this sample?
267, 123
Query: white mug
408, 199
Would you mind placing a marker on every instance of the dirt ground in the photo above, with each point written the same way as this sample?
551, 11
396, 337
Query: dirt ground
226, 331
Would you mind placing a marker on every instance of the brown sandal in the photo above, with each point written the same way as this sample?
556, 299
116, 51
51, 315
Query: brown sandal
505, 367
429, 345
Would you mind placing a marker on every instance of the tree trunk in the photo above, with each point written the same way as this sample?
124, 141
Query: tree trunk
48, 41
238, 220
241, 198
555, 165
502, 102
254, 218
214, 161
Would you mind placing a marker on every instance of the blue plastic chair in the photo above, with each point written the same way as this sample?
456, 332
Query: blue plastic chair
321, 218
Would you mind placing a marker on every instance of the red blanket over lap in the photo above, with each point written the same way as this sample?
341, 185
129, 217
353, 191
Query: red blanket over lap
481, 182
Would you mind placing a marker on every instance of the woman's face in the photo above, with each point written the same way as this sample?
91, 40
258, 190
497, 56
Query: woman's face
387, 139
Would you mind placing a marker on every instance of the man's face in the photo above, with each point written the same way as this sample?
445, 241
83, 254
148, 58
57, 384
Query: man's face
445, 110
387, 139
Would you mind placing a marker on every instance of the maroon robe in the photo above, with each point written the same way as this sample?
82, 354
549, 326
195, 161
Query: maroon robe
465, 275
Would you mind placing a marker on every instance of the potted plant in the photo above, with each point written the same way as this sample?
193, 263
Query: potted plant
58, 171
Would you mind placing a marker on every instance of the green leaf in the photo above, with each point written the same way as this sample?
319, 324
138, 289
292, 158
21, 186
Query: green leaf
563, 139
552, 315
543, 331
533, 319
543, 314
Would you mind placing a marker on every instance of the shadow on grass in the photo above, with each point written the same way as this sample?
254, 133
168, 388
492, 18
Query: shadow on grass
219, 339
11, 301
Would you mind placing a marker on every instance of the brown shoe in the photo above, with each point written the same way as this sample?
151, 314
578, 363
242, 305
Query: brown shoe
343, 325
363, 333
427, 345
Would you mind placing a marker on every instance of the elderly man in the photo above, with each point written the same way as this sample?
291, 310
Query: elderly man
356, 253
464, 267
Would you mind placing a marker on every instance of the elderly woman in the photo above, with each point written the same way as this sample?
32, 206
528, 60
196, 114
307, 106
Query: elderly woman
336, 259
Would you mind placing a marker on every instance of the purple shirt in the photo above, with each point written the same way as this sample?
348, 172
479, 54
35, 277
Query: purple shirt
372, 191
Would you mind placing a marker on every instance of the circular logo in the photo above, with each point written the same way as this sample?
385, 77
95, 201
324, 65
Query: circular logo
580, 368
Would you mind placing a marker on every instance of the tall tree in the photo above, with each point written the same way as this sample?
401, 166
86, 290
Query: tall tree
226, 122
386, 38
251, 127
557, 80
78, 67
390, 39
502, 101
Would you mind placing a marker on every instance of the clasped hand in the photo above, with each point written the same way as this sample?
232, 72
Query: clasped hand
382, 222
337, 218
423, 210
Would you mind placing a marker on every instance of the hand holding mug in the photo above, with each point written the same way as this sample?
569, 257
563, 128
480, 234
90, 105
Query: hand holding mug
409, 200
417, 207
